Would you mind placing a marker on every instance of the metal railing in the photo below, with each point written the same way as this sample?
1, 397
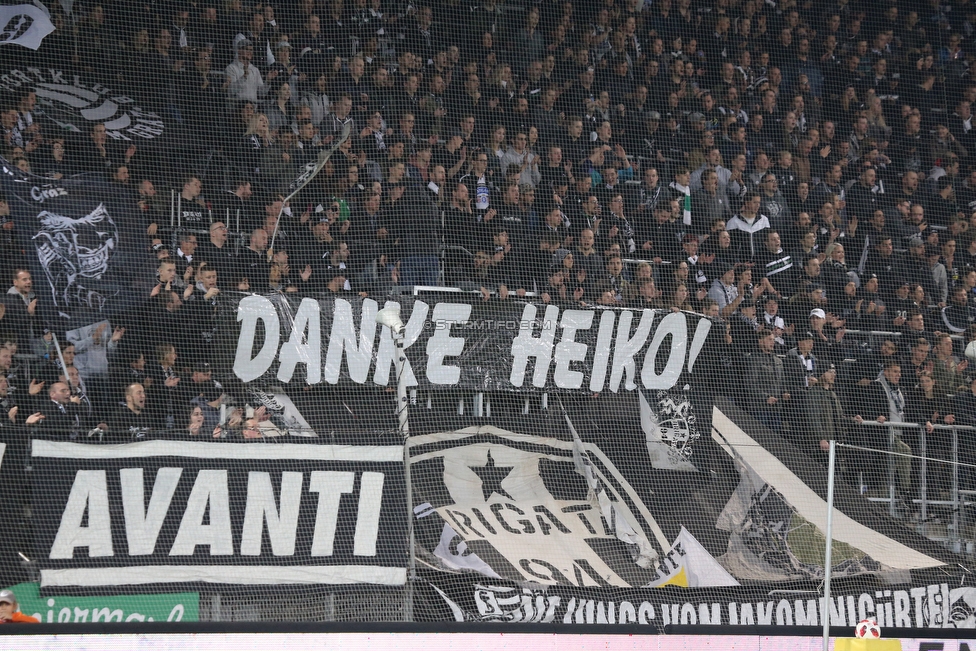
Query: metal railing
231, 219
957, 502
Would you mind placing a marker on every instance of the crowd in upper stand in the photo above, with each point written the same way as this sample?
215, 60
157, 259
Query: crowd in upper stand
796, 169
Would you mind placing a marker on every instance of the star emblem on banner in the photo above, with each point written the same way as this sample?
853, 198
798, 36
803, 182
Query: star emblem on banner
491, 478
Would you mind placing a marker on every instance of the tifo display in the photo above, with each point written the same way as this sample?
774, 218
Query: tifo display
626, 312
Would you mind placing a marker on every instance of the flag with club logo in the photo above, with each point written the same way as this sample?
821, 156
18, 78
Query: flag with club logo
84, 243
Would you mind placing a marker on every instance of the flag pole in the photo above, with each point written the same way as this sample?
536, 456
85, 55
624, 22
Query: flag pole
829, 534
310, 172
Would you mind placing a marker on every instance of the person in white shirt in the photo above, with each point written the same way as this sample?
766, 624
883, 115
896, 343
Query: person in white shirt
242, 80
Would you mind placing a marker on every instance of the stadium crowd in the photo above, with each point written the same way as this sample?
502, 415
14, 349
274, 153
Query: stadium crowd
802, 171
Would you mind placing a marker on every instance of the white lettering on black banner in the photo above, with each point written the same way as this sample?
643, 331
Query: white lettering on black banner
329, 341
330, 514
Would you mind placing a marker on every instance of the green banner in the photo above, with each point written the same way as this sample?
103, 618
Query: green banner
177, 607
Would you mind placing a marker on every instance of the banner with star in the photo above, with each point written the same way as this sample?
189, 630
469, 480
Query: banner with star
591, 512
527, 508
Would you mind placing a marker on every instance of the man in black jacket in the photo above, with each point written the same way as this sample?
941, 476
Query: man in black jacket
767, 392
132, 421
61, 417
218, 252
883, 401
862, 200
825, 419
21, 308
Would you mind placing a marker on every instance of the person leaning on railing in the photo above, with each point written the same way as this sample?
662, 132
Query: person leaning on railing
883, 401
929, 408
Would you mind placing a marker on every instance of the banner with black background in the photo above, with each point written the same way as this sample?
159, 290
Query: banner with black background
458, 344
84, 245
170, 514
930, 600
586, 501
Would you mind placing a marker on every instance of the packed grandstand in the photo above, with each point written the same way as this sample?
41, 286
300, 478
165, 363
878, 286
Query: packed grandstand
650, 257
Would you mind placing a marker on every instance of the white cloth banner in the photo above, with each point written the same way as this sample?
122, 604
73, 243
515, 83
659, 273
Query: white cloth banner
25, 25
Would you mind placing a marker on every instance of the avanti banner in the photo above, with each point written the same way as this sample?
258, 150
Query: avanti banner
173, 514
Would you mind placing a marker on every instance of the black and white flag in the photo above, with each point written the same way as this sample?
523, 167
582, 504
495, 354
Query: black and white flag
84, 242
176, 513
25, 25
522, 508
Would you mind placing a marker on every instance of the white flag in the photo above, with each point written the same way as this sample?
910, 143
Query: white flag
25, 25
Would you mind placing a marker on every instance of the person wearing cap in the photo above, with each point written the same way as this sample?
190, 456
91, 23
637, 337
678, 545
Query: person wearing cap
203, 386
826, 335
743, 326
9, 614
801, 363
286, 71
